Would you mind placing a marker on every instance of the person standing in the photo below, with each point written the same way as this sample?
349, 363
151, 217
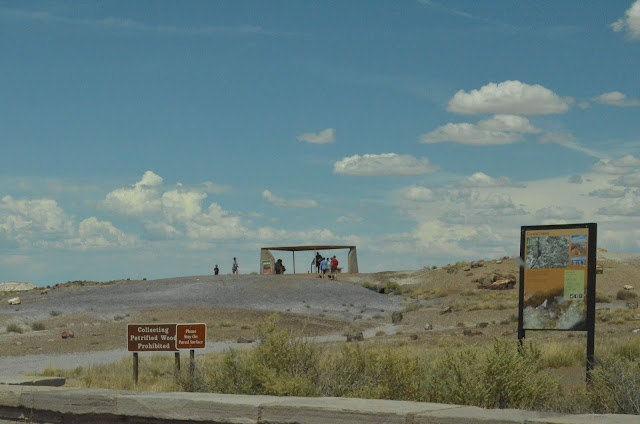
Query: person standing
216, 270
324, 265
334, 267
235, 266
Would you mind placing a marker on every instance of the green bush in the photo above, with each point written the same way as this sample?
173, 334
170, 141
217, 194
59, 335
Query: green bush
505, 377
615, 386
38, 326
625, 295
14, 328
373, 374
282, 365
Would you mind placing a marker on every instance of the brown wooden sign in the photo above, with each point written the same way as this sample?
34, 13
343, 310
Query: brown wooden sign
151, 337
191, 336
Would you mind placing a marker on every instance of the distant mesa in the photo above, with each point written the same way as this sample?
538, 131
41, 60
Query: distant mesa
14, 286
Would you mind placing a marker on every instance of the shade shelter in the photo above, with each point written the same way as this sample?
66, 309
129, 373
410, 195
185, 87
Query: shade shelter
267, 261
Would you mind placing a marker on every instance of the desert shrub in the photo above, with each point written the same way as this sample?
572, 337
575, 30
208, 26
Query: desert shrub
625, 295
392, 288
555, 355
14, 328
602, 298
505, 377
282, 365
628, 349
615, 386
38, 326
54, 313
372, 373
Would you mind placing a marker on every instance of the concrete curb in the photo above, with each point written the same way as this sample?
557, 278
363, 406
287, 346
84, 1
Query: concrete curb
51, 404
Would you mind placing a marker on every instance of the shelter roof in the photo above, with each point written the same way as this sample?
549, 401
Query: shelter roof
309, 247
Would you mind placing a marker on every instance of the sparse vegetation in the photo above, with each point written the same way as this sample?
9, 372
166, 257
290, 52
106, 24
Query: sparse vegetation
38, 326
501, 375
14, 328
626, 295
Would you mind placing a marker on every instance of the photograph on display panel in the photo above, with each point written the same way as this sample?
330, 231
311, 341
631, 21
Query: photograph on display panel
555, 280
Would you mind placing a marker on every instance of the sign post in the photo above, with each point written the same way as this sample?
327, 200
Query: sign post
166, 338
558, 281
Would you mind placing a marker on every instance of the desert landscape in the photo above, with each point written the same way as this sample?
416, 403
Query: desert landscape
79, 325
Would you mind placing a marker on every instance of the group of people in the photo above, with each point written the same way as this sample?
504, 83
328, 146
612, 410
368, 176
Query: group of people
329, 267
234, 268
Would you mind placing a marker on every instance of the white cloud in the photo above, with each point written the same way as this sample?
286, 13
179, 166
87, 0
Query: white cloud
508, 123
480, 179
282, 203
180, 206
626, 206
347, 219
140, 200
616, 98
31, 219
509, 97
469, 134
558, 212
215, 224
629, 180
323, 137
630, 22
418, 194
568, 141
161, 231
584, 104
94, 233
575, 179
623, 165
608, 193
383, 165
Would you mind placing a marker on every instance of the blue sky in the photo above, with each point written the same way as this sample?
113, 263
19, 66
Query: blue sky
158, 139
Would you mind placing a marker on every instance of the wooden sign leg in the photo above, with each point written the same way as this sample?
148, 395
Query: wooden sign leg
176, 367
192, 363
135, 368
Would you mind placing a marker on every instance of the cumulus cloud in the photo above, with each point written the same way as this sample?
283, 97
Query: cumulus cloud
94, 233
470, 134
26, 220
215, 224
608, 193
383, 165
283, 203
575, 179
180, 206
323, 137
626, 206
139, 200
623, 165
480, 179
630, 22
509, 123
629, 180
509, 97
558, 212
616, 98
418, 194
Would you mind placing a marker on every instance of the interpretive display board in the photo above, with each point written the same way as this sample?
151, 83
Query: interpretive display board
558, 280
266, 267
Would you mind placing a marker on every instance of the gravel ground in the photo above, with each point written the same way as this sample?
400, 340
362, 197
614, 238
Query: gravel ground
293, 293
